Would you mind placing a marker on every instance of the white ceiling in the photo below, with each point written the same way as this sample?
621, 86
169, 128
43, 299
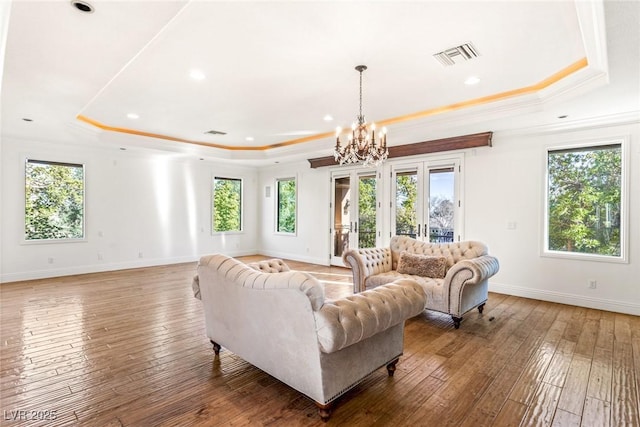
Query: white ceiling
273, 70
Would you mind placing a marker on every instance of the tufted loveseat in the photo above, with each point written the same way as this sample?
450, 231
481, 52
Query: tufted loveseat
462, 287
280, 321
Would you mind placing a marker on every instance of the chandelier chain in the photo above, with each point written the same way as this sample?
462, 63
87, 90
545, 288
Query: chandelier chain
360, 117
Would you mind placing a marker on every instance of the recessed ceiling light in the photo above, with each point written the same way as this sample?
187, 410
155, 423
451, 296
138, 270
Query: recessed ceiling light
328, 118
26, 119
196, 75
133, 116
123, 149
473, 80
249, 138
82, 6
564, 116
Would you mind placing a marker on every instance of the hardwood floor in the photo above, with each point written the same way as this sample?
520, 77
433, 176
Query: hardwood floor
128, 348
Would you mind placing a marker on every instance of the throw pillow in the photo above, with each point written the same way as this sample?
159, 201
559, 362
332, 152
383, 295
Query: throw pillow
422, 265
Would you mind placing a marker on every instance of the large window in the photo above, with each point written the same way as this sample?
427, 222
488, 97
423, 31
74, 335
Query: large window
286, 205
227, 204
54, 201
585, 191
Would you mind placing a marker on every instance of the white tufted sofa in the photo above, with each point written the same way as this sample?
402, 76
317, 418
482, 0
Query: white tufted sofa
464, 287
279, 321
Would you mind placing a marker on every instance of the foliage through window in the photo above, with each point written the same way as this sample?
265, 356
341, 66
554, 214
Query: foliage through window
286, 205
54, 200
367, 212
406, 200
584, 200
227, 204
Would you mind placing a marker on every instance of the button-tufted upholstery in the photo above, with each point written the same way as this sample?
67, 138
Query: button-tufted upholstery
464, 287
270, 266
281, 322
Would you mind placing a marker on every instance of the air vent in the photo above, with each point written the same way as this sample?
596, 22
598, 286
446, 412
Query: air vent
457, 54
215, 132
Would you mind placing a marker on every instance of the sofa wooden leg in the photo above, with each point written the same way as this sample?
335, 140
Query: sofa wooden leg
216, 347
481, 308
391, 367
325, 411
456, 321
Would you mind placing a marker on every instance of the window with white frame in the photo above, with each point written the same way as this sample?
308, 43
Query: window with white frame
227, 204
585, 209
54, 201
286, 205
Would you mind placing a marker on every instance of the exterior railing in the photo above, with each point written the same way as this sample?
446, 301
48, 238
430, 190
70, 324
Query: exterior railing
436, 235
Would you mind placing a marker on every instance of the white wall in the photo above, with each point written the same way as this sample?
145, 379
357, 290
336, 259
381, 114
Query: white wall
506, 184
160, 206
141, 209
502, 184
311, 241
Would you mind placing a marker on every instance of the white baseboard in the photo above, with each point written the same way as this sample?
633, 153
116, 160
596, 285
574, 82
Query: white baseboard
99, 268
564, 298
295, 257
95, 268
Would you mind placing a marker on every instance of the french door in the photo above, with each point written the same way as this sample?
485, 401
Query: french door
426, 200
354, 212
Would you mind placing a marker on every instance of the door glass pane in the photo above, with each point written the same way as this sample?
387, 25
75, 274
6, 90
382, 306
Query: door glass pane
441, 205
406, 203
341, 202
367, 212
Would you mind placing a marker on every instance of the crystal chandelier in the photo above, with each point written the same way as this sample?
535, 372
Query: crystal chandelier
362, 145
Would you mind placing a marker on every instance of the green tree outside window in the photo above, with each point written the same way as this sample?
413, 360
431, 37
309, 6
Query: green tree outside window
367, 212
406, 199
286, 202
584, 200
227, 204
54, 200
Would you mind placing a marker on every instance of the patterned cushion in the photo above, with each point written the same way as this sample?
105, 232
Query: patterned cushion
422, 265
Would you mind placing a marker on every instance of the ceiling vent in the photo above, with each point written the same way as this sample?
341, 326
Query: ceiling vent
457, 54
215, 132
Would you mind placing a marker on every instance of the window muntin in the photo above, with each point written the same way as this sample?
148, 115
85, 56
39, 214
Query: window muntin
227, 204
286, 205
585, 206
54, 201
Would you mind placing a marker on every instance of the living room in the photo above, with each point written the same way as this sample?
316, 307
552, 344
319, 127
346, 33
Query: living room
148, 200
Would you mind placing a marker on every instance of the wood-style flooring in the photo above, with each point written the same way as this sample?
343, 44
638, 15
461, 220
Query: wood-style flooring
128, 348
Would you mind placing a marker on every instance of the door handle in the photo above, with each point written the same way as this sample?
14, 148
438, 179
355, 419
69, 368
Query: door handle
426, 234
350, 227
419, 227
356, 223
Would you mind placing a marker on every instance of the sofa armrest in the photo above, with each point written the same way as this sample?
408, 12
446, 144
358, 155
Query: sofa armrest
366, 262
473, 270
346, 321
